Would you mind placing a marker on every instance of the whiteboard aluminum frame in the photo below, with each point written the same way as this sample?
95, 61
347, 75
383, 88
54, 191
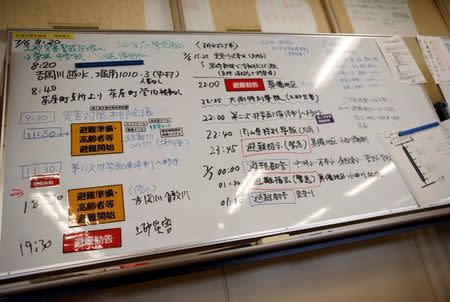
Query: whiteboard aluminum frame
197, 251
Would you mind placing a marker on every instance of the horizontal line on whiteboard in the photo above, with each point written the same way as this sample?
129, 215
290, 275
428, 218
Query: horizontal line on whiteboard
274, 120
199, 77
203, 77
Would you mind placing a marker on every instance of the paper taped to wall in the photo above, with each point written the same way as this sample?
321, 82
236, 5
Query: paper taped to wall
400, 60
381, 17
198, 15
436, 56
286, 16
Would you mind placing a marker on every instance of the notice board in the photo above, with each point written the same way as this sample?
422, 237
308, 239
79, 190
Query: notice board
214, 138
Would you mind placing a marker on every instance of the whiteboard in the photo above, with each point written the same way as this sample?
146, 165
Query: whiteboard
215, 138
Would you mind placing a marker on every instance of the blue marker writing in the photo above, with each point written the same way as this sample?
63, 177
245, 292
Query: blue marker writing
109, 63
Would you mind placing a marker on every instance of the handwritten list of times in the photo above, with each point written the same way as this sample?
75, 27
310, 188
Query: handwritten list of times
213, 137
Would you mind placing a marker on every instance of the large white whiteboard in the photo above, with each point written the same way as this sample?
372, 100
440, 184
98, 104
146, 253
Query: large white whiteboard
324, 100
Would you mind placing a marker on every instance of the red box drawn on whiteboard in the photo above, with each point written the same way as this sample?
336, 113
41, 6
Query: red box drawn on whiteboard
244, 85
42, 181
295, 144
92, 240
268, 181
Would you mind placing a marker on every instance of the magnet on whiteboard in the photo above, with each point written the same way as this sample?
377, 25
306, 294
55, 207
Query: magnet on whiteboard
273, 239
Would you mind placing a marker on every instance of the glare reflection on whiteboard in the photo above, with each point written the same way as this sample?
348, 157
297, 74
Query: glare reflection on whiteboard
313, 216
244, 189
334, 61
362, 186
48, 208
